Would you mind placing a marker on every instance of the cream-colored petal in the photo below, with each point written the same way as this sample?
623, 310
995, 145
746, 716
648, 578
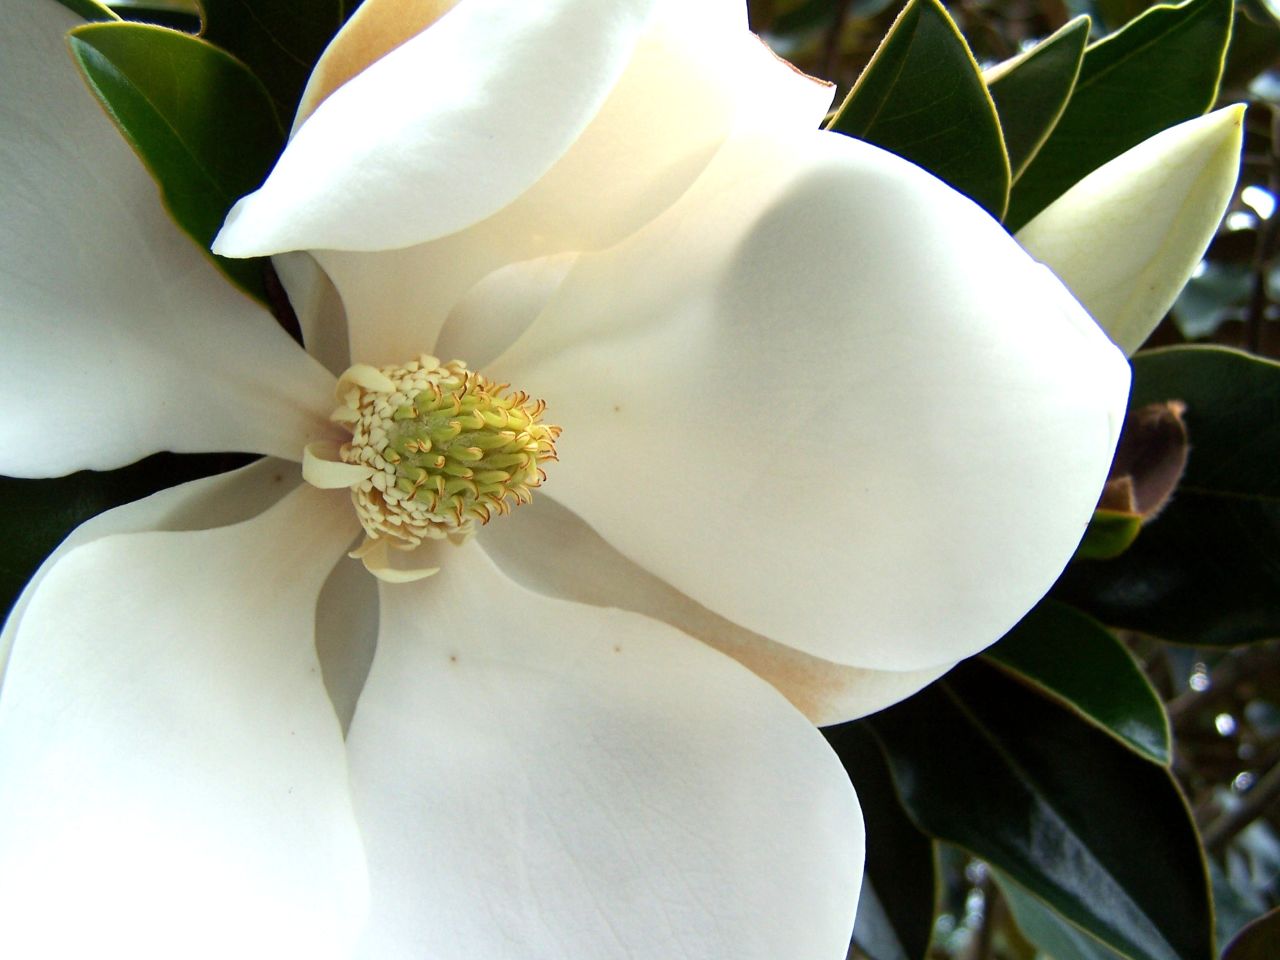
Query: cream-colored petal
493, 313
695, 74
540, 778
204, 504
830, 399
374, 30
545, 547
397, 301
322, 467
446, 129
175, 779
1126, 238
120, 338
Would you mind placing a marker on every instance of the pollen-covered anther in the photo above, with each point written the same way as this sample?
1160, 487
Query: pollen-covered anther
443, 448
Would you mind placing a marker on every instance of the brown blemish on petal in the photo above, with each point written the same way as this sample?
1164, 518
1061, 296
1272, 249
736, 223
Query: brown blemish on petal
377, 28
825, 84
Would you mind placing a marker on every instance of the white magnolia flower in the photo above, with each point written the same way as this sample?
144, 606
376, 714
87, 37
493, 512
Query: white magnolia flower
827, 430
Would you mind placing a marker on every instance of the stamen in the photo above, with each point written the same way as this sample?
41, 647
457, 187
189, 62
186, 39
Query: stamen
434, 450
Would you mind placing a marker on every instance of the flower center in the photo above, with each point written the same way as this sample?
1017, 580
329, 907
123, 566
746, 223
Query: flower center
445, 448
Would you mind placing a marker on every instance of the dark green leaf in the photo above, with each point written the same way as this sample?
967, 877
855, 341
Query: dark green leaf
36, 515
1260, 940
1031, 91
1159, 70
922, 97
895, 911
280, 40
1205, 570
181, 15
91, 10
986, 762
1076, 659
200, 121
1109, 534
1114, 14
1048, 931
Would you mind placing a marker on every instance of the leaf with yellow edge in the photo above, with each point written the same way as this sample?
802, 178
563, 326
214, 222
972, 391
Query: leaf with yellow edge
922, 97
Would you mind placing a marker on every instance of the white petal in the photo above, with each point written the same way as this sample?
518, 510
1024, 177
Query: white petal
615, 108
120, 338
545, 547
831, 400
203, 504
539, 778
174, 772
375, 29
494, 312
397, 301
1126, 238
695, 74
429, 113
318, 308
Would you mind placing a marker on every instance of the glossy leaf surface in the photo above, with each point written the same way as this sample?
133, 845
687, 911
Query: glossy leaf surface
984, 761
1076, 659
895, 911
923, 98
1031, 91
201, 122
1204, 570
1048, 931
1161, 69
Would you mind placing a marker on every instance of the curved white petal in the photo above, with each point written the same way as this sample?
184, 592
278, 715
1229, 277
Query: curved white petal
696, 73
492, 314
203, 504
174, 773
527, 77
830, 399
375, 29
539, 778
318, 308
397, 301
545, 547
1126, 238
120, 338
